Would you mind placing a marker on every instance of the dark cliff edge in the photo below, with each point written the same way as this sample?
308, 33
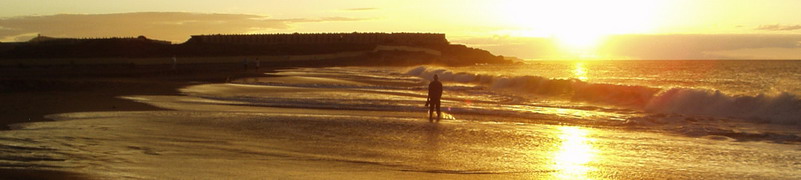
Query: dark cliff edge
142, 47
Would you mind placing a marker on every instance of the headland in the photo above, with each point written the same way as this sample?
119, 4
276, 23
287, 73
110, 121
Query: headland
48, 75
333, 48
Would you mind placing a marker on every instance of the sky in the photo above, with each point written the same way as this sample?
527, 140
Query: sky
528, 29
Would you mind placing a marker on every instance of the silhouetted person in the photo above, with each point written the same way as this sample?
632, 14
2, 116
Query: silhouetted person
434, 95
174, 62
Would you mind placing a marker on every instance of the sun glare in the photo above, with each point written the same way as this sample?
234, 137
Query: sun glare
571, 160
580, 71
579, 26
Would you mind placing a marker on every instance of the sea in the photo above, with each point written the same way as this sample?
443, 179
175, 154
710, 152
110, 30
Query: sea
705, 119
754, 91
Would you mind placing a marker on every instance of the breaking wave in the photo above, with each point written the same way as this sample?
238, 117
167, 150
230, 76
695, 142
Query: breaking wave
783, 108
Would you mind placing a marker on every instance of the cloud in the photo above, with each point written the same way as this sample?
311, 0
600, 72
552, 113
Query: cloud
777, 27
325, 19
172, 26
725, 46
758, 53
360, 9
658, 46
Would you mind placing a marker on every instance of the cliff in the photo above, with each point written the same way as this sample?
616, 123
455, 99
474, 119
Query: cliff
430, 48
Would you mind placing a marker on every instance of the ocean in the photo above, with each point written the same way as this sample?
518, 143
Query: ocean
536, 119
760, 91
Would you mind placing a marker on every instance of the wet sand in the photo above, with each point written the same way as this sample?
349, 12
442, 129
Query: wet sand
39, 174
317, 129
32, 91
32, 106
29, 94
201, 138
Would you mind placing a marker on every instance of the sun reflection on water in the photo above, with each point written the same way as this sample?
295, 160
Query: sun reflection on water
569, 113
574, 153
580, 71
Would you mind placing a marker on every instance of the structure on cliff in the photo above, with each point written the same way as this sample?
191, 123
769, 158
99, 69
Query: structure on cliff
323, 38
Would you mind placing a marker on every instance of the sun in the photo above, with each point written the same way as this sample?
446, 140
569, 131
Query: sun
580, 26
578, 40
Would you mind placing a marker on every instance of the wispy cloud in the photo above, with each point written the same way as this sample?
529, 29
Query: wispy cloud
173, 26
325, 19
758, 53
360, 9
658, 46
778, 27
753, 46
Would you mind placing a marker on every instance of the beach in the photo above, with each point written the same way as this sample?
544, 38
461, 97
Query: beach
31, 93
612, 89
367, 123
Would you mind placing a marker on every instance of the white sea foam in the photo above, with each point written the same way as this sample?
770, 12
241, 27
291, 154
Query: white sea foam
784, 108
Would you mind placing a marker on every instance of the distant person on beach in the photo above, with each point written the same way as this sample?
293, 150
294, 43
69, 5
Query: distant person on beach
174, 62
434, 95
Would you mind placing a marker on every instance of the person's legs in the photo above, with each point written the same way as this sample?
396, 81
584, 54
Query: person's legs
431, 111
439, 114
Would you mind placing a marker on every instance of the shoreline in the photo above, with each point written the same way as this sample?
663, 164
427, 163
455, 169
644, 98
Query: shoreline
29, 94
40, 174
31, 91
236, 130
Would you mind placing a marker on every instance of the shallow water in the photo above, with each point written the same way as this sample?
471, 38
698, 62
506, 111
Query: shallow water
363, 123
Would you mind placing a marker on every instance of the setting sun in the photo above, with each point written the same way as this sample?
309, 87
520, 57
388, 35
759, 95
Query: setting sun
580, 26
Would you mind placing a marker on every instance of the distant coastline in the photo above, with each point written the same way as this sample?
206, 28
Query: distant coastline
365, 48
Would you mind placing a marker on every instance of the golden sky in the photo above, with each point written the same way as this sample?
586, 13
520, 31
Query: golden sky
564, 29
